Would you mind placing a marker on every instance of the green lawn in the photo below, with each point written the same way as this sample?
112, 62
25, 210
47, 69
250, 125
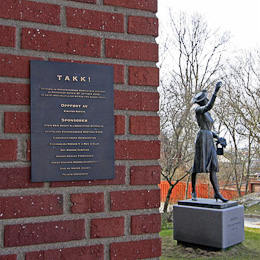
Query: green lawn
249, 249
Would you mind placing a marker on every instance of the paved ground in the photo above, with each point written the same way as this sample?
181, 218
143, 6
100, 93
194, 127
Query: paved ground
252, 222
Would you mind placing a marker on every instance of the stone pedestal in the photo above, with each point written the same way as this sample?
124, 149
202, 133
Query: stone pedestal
209, 223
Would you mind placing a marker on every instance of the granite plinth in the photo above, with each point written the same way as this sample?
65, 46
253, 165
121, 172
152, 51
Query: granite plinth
210, 226
208, 203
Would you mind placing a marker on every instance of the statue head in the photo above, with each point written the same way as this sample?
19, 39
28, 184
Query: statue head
201, 97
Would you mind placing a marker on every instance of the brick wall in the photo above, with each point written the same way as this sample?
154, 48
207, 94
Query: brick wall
100, 219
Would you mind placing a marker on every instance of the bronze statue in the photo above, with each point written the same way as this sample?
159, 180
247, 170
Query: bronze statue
205, 159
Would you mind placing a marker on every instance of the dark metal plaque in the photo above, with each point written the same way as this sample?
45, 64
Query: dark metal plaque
72, 121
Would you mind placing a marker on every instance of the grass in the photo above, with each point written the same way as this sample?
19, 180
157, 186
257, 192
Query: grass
249, 249
167, 221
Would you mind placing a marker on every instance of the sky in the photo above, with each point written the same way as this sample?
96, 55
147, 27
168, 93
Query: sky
240, 17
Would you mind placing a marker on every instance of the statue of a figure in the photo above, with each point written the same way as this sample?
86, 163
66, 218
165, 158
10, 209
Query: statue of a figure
205, 159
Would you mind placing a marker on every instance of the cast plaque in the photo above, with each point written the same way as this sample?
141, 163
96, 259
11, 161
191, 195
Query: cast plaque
72, 121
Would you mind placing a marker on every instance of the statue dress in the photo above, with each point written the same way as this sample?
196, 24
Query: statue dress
205, 159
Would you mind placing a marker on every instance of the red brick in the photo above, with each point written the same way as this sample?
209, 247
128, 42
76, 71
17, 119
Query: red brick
143, 25
15, 66
8, 150
148, 5
119, 73
30, 11
95, 252
118, 180
142, 101
86, 1
135, 249
8, 257
129, 50
137, 150
17, 122
17, 178
144, 125
95, 20
119, 125
134, 199
45, 232
87, 203
30, 206
7, 38
145, 175
107, 227
14, 94
145, 224
42, 40
143, 76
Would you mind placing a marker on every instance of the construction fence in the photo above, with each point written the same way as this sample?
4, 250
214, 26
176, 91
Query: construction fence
203, 191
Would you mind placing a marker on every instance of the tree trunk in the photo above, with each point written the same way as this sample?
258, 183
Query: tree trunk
187, 187
167, 200
248, 163
235, 169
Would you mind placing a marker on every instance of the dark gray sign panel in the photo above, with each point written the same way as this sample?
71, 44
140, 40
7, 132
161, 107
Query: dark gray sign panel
72, 121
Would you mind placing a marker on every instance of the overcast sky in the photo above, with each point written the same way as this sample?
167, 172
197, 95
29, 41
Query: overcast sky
240, 17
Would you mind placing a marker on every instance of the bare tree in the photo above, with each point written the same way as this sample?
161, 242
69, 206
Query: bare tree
190, 60
231, 122
239, 113
245, 73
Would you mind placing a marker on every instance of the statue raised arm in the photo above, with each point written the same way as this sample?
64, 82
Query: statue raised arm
205, 159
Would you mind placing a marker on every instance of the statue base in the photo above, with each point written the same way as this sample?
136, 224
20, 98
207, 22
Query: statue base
206, 222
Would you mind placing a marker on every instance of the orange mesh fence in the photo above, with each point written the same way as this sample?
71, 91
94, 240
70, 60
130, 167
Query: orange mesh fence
203, 191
